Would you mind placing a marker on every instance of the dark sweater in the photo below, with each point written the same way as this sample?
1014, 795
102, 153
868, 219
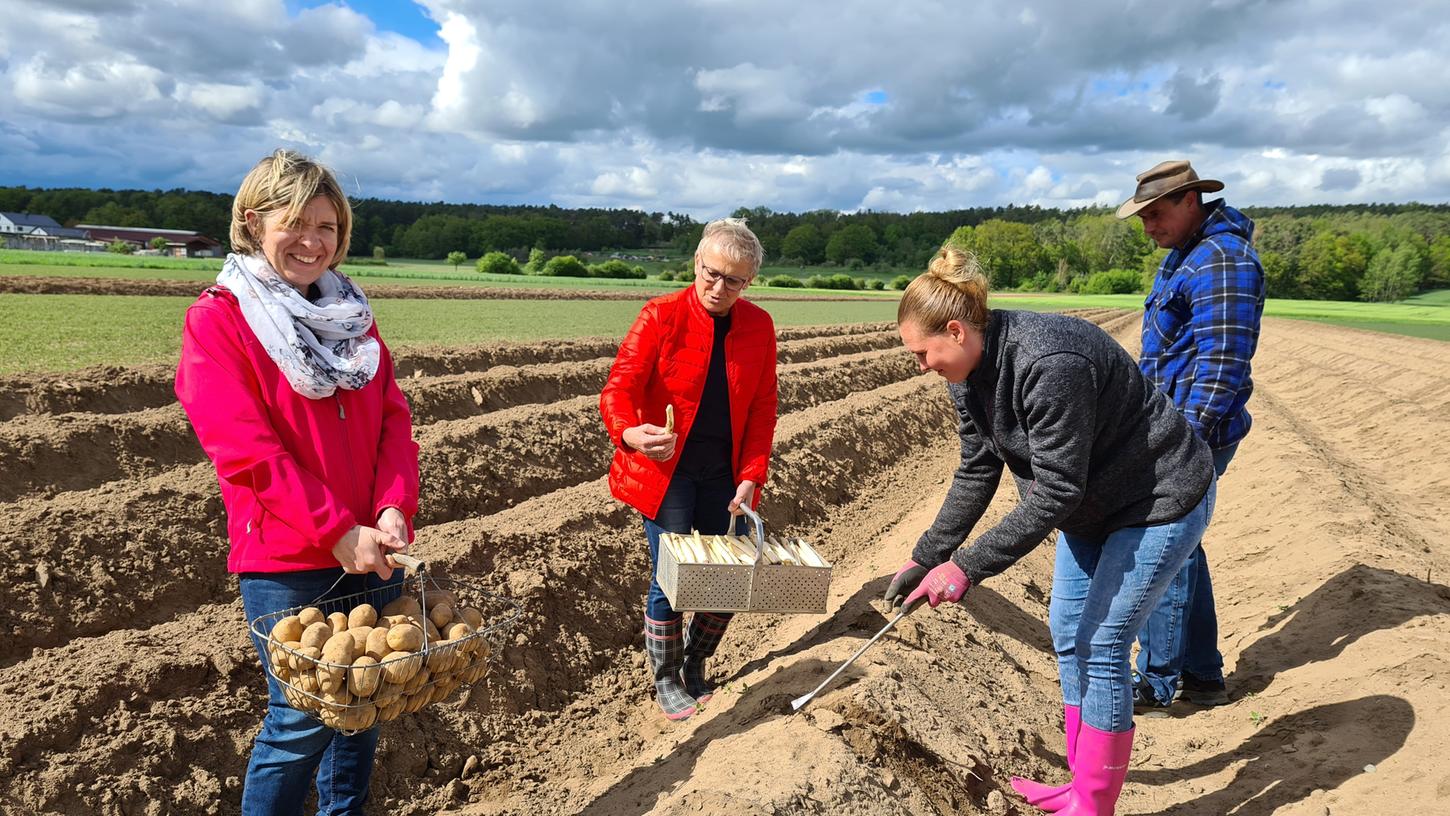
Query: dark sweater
1094, 447
709, 444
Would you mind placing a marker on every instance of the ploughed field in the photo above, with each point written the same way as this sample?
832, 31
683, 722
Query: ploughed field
132, 688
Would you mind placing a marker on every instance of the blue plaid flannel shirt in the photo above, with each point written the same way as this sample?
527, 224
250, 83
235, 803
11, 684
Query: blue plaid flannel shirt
1201, 326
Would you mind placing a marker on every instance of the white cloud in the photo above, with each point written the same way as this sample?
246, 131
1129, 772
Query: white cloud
701, 107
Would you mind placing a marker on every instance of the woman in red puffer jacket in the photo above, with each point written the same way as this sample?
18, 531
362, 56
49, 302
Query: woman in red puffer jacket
711, 356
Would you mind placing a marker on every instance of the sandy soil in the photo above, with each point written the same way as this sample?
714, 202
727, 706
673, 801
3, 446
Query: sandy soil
132, 688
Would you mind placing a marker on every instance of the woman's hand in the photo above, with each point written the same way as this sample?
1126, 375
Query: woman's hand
651, 440
744, 494
391, 521
364, 549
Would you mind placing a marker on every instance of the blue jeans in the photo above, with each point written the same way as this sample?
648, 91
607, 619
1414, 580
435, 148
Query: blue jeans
1102, 592
292, 746
693, 501
1181, 635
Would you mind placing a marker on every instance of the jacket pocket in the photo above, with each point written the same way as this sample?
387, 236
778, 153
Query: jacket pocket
1170, 314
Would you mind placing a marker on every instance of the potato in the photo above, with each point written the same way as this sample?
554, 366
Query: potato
417, 701
364, 677
400, 666
404, 605
310, 615
359, 637
441, 614
397, 620
387, 692
434, 597
305, 658
338, 622
336, 698
440, 656
288, 629
390, 711
458, 632
377, 645
338, 650
307, 681
336, 657
358, 717
316, 634
362, 615
471, 616
405, 638
417, 682
278, 658
434, 635
297, 699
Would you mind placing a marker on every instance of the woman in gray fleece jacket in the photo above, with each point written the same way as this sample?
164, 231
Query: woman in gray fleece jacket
1099, 455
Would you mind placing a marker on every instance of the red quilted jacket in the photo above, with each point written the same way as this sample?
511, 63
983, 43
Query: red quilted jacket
664, 361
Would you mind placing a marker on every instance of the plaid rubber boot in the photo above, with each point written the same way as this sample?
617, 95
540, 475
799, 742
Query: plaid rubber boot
701, 641
664, 642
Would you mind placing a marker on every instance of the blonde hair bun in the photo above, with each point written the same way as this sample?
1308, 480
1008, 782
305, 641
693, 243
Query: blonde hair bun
952, 288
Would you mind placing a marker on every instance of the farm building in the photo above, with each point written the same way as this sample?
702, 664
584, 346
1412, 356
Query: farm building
179, 243
35, 231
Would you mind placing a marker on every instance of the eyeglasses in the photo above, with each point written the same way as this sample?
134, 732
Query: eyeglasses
732, 283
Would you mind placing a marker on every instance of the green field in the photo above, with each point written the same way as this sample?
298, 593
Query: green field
406, 272
68, 332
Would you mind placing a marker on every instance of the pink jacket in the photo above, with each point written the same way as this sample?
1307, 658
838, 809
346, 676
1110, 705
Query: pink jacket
295, 473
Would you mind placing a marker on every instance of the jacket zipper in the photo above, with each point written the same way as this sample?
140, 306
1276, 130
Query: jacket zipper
347, 448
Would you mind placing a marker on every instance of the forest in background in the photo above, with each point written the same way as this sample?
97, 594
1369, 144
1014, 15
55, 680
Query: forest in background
1379, 252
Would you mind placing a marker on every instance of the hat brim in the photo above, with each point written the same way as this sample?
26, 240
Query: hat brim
1131, 207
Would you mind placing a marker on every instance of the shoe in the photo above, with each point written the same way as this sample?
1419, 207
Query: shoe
1205, 693
701, 641
1143, 697
664, 642
1102, 765
1052, 798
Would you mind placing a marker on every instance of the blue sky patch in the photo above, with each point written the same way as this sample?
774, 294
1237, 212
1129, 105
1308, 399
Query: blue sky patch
398, 16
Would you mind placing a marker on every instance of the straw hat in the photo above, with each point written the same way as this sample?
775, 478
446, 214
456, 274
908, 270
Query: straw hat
1165, 178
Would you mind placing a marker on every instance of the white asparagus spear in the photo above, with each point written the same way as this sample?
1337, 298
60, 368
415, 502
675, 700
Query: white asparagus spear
813, 558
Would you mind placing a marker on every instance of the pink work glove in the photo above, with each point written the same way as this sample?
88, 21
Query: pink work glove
906, 579
945, 582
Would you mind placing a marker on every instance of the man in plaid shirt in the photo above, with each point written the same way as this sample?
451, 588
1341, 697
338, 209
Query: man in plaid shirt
1200, 329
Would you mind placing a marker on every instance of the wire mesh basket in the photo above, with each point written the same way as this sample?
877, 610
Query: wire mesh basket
341, 661
750, 584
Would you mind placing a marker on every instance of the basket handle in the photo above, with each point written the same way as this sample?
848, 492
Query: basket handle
410, 564
759, 532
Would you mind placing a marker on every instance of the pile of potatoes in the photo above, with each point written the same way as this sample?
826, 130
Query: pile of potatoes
368, 667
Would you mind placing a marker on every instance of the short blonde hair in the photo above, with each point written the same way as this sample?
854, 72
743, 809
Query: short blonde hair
286, 182
734, 240
952, 288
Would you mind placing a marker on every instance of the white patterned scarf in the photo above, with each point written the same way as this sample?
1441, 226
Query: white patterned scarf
319, 347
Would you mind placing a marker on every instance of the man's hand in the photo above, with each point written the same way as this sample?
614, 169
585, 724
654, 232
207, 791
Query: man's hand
945, 582
364, 549
905, 581
654, 442
744, 495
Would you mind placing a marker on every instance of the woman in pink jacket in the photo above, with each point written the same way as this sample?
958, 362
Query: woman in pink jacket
292, 395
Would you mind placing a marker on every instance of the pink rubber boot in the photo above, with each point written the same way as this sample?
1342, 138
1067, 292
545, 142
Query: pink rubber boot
1102, 765
1052, 798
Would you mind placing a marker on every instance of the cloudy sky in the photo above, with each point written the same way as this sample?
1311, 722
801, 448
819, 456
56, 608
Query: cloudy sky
702, 106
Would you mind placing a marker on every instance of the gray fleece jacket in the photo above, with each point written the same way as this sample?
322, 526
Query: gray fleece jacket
1094, 447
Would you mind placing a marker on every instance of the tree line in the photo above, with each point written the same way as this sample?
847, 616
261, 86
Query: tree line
1368, 252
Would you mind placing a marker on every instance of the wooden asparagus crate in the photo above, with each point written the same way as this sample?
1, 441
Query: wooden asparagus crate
734, 573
